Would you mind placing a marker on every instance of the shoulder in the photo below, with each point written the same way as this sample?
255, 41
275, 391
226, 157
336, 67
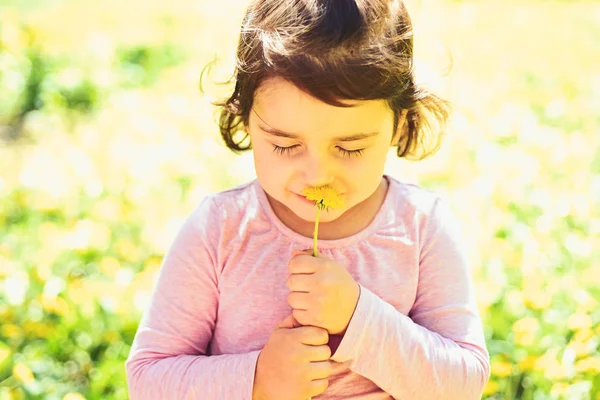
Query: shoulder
435, 225
427, 211
235, 196
413, 199
216, 211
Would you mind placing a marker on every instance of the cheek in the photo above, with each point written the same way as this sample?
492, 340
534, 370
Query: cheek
364, 176
363, 167
376, 161
264, 158
270, 168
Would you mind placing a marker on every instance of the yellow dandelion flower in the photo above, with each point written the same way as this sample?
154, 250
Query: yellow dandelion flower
590, 364
10, 331
491, 387
325, 197
538, 299
579, 320
526, 325
527, 363
502, 368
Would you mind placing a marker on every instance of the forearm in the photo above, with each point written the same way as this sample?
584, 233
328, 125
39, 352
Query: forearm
229, 376
407, 360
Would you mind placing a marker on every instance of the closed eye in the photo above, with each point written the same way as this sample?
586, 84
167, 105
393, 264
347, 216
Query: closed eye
286, 151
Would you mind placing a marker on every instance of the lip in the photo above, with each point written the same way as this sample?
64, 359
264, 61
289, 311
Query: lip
305, 200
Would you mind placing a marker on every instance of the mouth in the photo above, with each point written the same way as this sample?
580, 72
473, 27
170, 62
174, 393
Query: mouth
304, 199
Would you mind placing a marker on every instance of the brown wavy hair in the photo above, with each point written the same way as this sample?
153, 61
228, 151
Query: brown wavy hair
334, 50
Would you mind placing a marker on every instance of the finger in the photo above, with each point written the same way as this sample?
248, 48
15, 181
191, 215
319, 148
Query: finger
289, 322
304, 251
317, 353
300, 282
299, 300
311, 335
302, 264
318, 386
320, 370
309, 317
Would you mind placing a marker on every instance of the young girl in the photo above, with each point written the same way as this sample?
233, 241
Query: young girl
241, 308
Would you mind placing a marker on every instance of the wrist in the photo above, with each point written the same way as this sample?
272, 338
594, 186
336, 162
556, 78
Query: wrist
257, 393
256, 387
355, 302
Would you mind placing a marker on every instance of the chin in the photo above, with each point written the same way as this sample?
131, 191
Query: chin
312, 216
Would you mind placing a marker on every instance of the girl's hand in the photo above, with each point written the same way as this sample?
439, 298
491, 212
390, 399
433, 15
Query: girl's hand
294, 364
324, 294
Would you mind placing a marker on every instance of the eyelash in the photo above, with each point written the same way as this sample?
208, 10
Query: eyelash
288, 150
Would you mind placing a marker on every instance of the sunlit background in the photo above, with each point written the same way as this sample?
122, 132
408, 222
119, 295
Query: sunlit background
106, 145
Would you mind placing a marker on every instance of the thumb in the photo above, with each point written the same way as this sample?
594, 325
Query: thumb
289, 322
305, 251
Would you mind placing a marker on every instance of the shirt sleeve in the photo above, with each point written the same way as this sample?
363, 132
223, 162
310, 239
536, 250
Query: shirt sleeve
438, 351
168, 358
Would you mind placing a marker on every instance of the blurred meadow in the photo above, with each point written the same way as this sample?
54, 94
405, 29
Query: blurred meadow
107, 144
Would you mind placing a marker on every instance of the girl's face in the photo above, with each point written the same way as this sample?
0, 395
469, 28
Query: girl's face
300, 142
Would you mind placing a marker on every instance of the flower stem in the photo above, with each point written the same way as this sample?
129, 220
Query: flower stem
316, 232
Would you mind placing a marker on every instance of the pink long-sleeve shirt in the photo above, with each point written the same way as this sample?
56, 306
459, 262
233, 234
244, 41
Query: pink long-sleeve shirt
415, 333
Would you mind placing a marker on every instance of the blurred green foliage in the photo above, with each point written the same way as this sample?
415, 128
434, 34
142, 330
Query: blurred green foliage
141, 65
107, 146
33, 80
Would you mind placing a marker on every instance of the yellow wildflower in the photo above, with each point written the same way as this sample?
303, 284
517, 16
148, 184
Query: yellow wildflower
579, 320
325, 197
502, 368
527, 363
590, 364
491, 387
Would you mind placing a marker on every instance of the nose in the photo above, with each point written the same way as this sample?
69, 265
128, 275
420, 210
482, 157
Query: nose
318, 171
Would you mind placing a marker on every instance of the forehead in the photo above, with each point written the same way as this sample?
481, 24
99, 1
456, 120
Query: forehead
284, 106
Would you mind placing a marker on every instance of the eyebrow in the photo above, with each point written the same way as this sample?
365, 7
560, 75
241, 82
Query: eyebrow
350, 138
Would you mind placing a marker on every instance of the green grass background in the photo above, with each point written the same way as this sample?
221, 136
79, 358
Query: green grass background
107, 145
